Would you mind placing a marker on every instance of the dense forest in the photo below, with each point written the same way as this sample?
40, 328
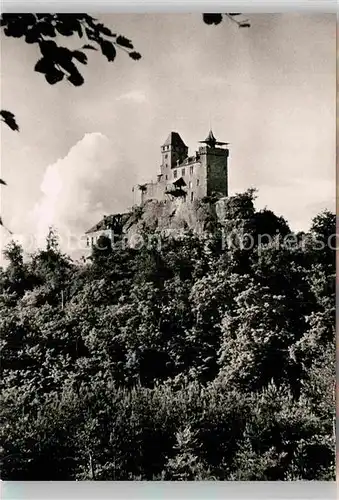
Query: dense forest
195, 359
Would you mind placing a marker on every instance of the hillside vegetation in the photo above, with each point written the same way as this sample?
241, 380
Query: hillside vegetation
187, 358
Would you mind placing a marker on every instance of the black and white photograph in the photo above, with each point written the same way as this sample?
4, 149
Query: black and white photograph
168, 241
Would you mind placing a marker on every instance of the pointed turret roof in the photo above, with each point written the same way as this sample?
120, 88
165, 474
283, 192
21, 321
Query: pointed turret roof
212, 142
174, 139
210, 137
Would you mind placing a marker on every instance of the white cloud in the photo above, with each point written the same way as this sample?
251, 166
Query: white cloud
93, 179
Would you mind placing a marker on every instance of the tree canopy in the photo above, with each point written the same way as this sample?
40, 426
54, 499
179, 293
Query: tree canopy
192, 359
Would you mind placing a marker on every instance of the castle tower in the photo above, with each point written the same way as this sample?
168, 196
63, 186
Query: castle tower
214, 161
173, 150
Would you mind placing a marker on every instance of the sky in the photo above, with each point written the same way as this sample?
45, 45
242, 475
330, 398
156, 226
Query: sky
269, 91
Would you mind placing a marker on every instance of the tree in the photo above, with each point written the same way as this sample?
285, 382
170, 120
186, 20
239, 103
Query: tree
58, 62
185, 465
171, 361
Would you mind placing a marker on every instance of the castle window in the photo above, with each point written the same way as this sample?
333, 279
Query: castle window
190, 184
192, 196
166, 177
166, 155
183, 172
191, 170
197, 182
175, 173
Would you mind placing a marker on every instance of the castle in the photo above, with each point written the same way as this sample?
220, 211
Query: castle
181, 177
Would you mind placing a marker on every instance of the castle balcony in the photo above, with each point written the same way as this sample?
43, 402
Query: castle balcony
177, 188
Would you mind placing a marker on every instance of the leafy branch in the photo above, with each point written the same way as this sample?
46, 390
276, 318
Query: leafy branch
58, 62
234, 17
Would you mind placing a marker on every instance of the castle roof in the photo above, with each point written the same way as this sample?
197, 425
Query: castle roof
178, 182
174, 139
212, 142
210, 137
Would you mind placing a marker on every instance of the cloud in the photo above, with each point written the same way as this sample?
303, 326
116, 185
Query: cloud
93, 179
137, 96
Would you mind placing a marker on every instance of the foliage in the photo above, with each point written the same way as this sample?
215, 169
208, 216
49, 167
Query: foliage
184, 360
58, 62
236, 18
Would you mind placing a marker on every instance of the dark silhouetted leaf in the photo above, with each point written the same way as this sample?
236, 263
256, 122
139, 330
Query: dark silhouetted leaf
106, 31
244, 25
80, 56
212, 18
235, 14
89, 47
9, 119
79, 30
135, 55
32, 35
16, 29
4, 20
12, 19
76, 78
91, 35
54, 76
57, 62
124, 42
64, 29
64, 59
3, 182
48, 48
108, 50
89, 20
43, 65
30, 19
46, 29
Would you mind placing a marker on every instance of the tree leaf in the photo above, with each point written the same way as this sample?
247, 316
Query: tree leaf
92, 35
48, 48
9, 119
80, 56
75, 78
135, 55
64, 58
244, 25
32, 35
46, 28
16, 29
43, 65
124, 42
3, 182
106, 31
64, 29
108, 50
89, 47
212, 18
79, 29
54, 76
